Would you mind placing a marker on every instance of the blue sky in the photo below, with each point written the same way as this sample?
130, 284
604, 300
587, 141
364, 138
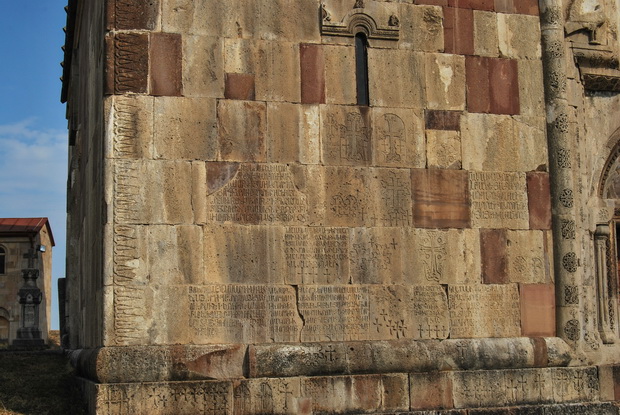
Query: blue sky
33, 137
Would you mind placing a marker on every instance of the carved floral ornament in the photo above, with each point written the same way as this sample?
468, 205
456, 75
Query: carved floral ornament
609, 187
360, 19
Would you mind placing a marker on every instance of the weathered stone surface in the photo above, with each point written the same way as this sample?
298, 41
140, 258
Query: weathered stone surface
394, 78
485, 34
398, 137
445, 82
492, 85
253, 194
498, 200
502, 143
312, 61
531, 88
226, 313
372, 393
458, 30
278, 72
241, 130
165, 198
293, 132
346, 135
484, 311
539, 200
493, 246
131, 118
185, 128
443, 149
441, 257
519, 36
442, 120
527, 257
203, 66
131, 15
472, 4
339, 66
527, 386
165, 57
537, 309
258, 396
440, 198
421, 28
432, 390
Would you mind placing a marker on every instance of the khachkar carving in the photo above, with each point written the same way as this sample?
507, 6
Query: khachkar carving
604, 284
349, 141
128, 289
433, 248
595, 47
393, 136
359, 19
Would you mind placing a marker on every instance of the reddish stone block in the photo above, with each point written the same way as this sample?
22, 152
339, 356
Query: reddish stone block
431, 390
505, 6
166, 56
458, 30
537, 310
477, 80
432, 2
312, 62
128, 63
616, 376
131, 14
504, 86
440, 198
442, 120
539, 200
239, 86
472, 4
527, 7
541, 353
493, 243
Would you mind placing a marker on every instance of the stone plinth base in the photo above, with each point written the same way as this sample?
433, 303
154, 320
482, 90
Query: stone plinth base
526, 391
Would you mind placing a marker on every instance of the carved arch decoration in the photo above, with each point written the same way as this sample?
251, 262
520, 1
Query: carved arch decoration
360, 19
606, 242
594, 42
609, 183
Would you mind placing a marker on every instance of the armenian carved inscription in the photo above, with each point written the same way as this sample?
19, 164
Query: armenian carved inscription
317, 255
243, 312
334, 313
258, 193
484, 311
498, 200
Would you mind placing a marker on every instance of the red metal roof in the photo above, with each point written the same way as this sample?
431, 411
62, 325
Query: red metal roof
22, 226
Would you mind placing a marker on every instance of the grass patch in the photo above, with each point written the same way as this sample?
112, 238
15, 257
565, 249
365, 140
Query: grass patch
38, 383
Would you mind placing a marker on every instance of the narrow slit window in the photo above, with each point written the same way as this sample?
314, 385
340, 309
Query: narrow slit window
2, 261
361, 69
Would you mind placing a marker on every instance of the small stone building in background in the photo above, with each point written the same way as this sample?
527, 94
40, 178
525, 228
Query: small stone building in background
344, 206
21, 239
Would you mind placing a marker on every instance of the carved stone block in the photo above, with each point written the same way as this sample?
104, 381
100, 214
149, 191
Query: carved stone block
443, 149
397, 138
498, 200
346, 135
131, 15
127, 63
422, 27
484, 311
132, 127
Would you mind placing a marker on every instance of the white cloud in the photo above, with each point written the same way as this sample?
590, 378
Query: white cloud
33, 176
